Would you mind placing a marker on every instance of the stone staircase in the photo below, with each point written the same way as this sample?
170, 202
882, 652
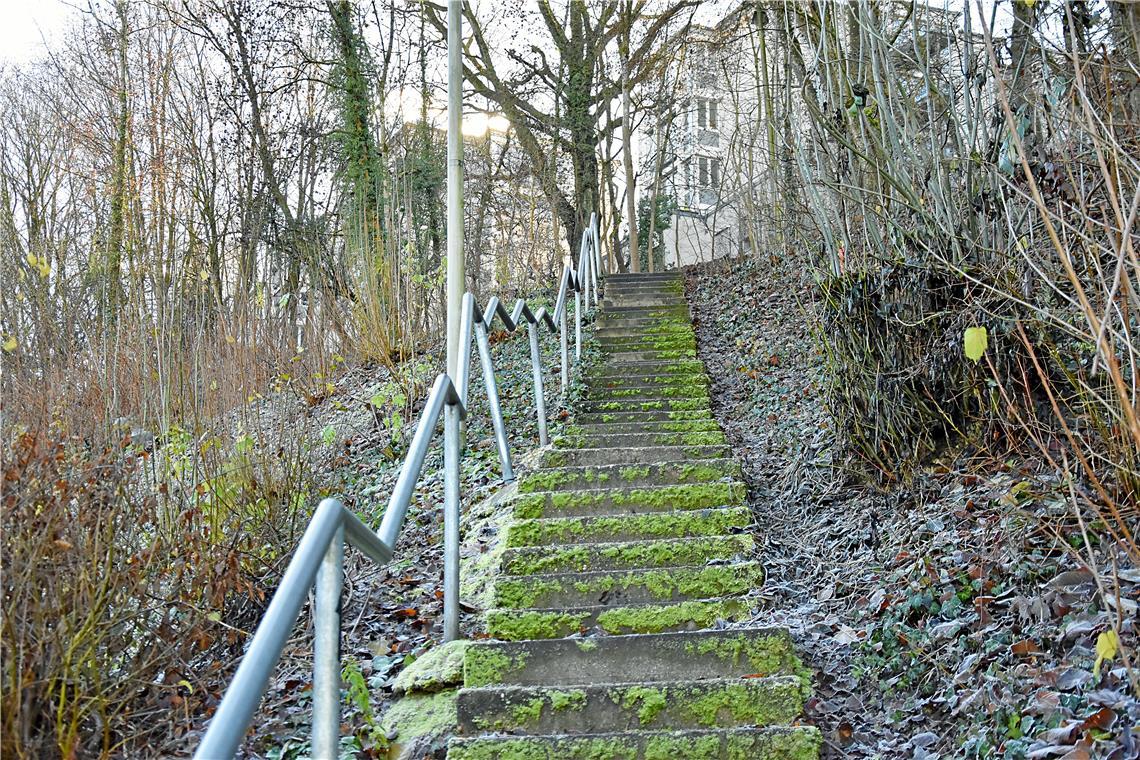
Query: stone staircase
627, 558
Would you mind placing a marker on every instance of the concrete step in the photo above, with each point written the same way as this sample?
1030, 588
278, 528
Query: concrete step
638, 455
769, 743
620, 333
698, 655
629, 475
615, 620
678, 309
639, 368
609, 707
629, 404
646, 343
627, 501
624, 304
594, 418
655, 426
648, 383
568, 532
673, 584
529, 560
651, 355
578, 438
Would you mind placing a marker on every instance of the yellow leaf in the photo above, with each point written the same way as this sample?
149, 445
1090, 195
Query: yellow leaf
1106, 645
204, 275
975, 342
10, 343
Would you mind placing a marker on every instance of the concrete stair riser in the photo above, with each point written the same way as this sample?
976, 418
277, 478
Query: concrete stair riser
598, 418
604, 708
627, 501
625, 554
771, 743
637, 455
673, 584
614, 620
582, 440
566, 532
629, 476
653, 658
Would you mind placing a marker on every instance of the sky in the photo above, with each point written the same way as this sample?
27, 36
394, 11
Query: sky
24, 24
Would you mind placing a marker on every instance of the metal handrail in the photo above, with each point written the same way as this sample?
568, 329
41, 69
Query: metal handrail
319, 557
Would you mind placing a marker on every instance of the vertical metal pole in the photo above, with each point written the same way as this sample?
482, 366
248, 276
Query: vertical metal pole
455, 263
451, 446
493, 400
326, 651
577, 326
536, 372
565, 355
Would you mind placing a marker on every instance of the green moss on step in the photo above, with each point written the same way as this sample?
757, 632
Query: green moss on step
420, 715
567, 700
586, 645
666, 747
648, 700
560, 530
741, 704
675, 497
483, 665
658, 618
528, 713
709, 581
765, 655
439, 668
644, 554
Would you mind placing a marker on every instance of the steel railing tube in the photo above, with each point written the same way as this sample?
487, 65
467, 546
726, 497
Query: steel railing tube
536, 372
413, 463
565, 352
451, 454
326, 651
493, 400
463, 363
577, 325
244, 693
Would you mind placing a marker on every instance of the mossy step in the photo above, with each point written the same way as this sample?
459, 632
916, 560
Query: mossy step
624, 455
603, 708
580, 440
650, 355
646, 383
627, 501
672, 584
691, 615
616, 368
647, 392
769, 743
650, 341
651, 308
654, 329
651, 426
559, 531
598, 418
634, 475
668, 404
616, 320
727, 653
530, 560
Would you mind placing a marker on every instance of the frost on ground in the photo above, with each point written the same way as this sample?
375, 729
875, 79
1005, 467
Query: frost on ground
958, 617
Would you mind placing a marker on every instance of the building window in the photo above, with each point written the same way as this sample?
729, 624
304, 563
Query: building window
708, 172
706, 113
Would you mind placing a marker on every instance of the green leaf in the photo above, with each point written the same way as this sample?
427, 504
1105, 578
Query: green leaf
10, 343
1106, 645
243, 444
975, 342
328, 435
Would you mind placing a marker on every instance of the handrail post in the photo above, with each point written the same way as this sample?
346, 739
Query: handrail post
563, 338
451, 453
536, 372
493, 400
577, 325
326, 651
